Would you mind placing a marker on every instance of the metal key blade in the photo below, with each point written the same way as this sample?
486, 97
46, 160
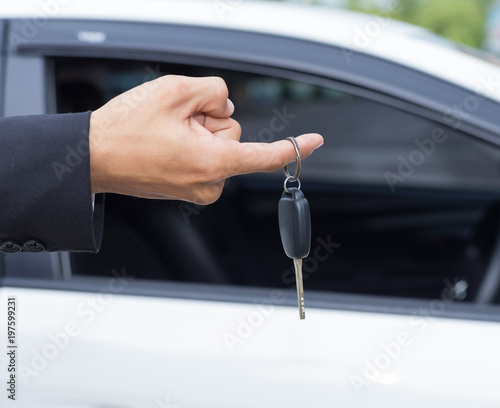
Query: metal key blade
297, 263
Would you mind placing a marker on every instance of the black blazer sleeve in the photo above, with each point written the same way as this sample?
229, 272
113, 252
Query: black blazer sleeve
45, 191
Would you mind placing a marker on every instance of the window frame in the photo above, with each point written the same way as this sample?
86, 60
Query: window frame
3, 37
3, 40
420, 92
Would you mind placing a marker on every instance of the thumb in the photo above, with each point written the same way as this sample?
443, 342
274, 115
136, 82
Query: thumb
269, 157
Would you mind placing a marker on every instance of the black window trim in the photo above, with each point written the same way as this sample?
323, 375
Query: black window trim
3, 39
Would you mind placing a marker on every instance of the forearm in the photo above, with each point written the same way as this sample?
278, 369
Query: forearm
45, 188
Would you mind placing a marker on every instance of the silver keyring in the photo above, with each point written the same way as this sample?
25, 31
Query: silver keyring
297, 162
290, 178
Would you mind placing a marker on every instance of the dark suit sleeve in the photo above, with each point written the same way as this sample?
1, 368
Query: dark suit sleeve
45, 190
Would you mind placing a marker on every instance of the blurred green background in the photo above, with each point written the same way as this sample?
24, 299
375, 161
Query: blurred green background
471, 22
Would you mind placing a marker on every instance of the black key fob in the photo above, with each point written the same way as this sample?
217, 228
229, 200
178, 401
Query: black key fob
295, 223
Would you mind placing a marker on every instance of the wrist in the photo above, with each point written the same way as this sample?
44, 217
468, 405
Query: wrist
97, 153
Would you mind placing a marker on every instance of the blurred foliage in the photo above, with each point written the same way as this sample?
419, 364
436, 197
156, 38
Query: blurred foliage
463, 21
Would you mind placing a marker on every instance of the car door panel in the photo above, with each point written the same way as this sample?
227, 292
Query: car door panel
136, 351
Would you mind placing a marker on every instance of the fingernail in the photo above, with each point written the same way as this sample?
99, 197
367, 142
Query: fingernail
230, 106
322, 141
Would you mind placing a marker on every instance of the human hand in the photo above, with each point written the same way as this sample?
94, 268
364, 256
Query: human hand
173, 138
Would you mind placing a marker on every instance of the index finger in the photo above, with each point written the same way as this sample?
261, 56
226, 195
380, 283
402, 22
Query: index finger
269, 157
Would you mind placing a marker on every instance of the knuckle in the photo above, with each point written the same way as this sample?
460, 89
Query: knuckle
176, 84
275, 163
181, 87
221, 86
236, 128
233, 160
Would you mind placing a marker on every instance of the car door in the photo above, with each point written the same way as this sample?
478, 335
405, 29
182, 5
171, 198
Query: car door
195, 306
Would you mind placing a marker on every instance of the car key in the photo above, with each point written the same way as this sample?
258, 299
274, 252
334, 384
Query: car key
295, 226
295, 230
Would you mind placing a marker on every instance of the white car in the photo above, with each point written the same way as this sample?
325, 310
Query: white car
189, 306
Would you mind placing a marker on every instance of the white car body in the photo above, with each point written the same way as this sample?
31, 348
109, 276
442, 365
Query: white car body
377, 35
132, 351
113, 349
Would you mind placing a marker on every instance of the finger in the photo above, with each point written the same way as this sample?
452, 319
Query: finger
267, 157
207, 193
208, 95
231, 133
215, 124
200, 117
224, 128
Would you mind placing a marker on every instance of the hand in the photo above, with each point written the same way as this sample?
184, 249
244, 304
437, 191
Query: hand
173, 138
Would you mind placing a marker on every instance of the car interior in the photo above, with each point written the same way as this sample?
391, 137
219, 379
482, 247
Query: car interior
389, 217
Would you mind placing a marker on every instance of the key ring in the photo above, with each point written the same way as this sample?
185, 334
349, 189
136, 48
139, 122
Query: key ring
295, 177
298, 159
290, 179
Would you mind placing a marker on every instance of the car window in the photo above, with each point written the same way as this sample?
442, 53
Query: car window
401, 205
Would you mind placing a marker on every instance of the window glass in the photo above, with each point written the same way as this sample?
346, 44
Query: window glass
366, 142
401, 205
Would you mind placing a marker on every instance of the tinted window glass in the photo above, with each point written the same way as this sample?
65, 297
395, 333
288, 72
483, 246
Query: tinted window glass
367, 142
400, 205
